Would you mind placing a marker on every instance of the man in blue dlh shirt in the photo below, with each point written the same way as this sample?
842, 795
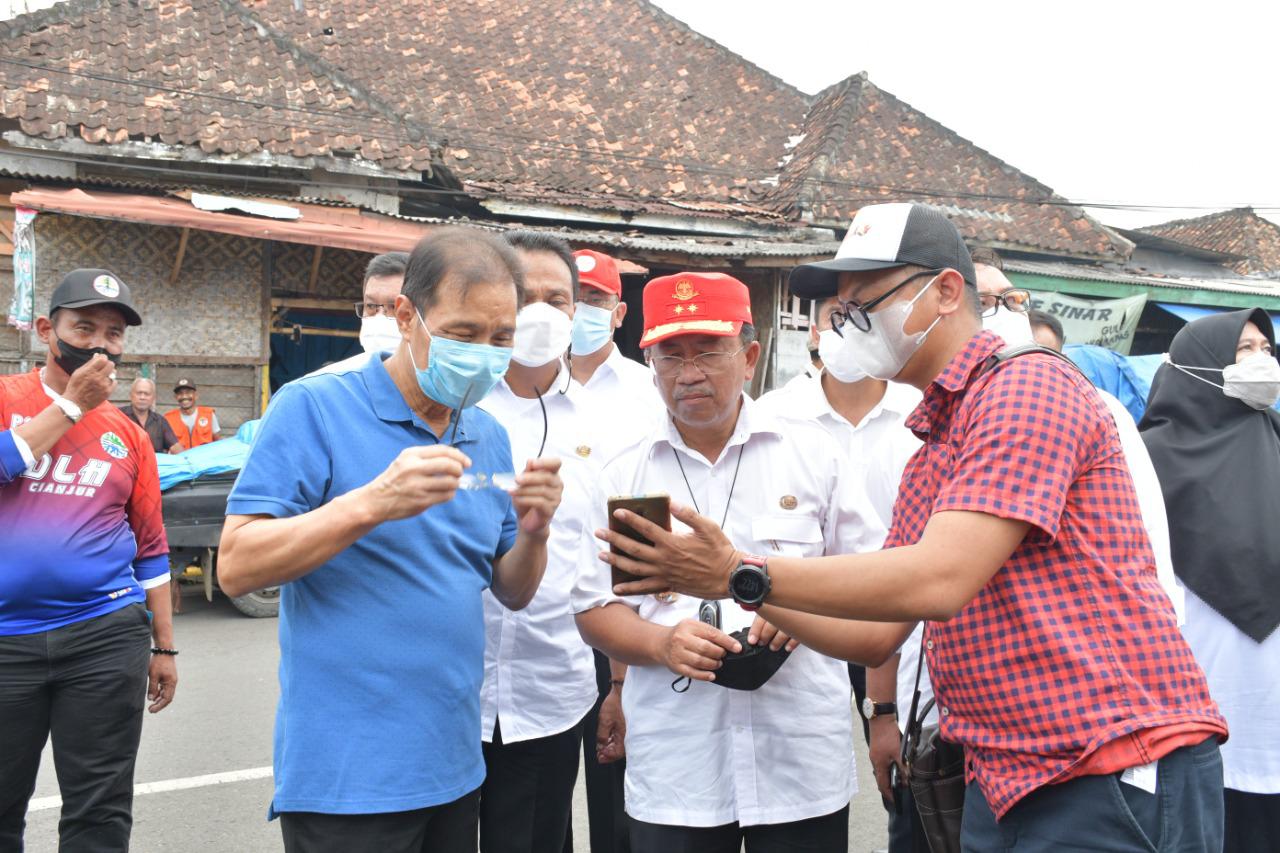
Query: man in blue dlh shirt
353, 499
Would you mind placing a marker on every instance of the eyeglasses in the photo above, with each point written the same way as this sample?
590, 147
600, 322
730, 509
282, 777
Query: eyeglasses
598, 299
708, 363
856, 315
373, 309
1016, 300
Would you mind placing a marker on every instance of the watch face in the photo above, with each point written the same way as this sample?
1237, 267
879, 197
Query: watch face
748, 586
868, 708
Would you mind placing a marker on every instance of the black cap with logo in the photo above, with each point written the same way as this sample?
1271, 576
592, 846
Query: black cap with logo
85, 287
882, 236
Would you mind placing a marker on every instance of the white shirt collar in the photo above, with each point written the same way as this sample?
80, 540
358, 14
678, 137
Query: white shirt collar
811, 401
752, 421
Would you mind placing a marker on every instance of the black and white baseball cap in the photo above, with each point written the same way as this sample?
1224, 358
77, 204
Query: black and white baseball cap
84, 287
884, 236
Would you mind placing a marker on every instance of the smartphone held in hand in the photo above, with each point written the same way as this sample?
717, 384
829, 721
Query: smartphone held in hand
655, 508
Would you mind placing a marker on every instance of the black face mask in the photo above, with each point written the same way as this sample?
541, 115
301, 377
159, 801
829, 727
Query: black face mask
748, 669
72, 358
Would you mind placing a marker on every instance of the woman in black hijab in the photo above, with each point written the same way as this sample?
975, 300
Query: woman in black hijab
1215, 443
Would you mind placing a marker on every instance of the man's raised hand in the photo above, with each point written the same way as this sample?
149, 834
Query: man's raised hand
418, 479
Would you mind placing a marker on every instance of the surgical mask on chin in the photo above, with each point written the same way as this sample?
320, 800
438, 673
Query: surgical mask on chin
458, 371
379, 333
592, 328
1015, 328
1254, 381
542, 334
71, 358
883, 351
838, 357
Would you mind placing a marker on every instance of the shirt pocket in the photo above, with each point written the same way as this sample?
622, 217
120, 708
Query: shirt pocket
788, 535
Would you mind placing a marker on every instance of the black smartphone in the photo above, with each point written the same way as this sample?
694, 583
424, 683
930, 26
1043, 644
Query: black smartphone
655, 508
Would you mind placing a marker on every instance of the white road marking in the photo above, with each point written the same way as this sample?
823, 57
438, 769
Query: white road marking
43, 803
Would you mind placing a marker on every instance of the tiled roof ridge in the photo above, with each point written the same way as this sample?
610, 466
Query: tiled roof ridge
733, 55
59, 13
336, 75
1205, 219
830, 144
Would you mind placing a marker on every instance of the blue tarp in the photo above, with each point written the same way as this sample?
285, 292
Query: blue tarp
1126, 377
215, 458
1195, 312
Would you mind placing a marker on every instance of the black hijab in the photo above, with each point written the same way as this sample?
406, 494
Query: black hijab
1219, 465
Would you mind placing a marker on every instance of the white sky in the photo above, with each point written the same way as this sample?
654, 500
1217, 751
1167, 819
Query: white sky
1126, 101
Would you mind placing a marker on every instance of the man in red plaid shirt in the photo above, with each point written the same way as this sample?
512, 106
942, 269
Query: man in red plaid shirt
1055, 655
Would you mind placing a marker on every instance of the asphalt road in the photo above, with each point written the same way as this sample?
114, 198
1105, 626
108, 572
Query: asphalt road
205, 761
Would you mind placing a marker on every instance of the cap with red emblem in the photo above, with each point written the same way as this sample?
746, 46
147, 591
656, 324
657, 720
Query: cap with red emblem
694, 303
598, 270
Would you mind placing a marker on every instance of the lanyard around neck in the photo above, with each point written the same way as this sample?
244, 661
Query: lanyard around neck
733, 485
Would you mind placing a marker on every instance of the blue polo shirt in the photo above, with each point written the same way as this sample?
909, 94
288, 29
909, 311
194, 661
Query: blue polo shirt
382, 647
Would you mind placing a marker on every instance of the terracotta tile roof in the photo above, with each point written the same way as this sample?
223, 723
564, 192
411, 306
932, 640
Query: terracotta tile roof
861, 145
1235, 232
214, 78
606, 104
615, 99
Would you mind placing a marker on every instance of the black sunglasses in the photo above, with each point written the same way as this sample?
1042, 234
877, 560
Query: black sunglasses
855, 314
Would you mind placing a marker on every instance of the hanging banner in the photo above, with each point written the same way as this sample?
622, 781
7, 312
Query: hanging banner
1109, 323
22, 310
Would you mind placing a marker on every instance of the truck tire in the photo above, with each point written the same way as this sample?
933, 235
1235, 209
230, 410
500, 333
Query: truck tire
263, 604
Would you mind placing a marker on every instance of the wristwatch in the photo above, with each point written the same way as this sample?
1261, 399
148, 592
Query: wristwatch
70, 409
872, 709
749, 584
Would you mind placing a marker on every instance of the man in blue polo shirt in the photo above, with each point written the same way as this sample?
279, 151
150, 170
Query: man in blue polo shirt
354, 499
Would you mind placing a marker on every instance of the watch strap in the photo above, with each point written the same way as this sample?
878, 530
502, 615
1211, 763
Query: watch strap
73, 412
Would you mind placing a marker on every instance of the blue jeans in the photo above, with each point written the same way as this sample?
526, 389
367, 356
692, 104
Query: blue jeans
1101, 813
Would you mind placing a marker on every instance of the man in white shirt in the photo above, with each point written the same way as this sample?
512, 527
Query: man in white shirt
618, 399
712, 767
867, 418
539, 677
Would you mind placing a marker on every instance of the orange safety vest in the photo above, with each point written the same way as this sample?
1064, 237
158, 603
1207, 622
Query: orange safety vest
201, 434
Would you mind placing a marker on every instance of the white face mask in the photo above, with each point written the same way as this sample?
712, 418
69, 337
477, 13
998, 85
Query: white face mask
1254, 381
1015, 328
883, 351
379, 333
838, 358
542, 334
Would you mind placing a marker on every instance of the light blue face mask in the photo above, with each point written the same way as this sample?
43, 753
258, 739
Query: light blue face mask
459, 372
592, 328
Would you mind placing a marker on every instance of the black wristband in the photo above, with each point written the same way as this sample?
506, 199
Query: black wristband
617, 682
170, 652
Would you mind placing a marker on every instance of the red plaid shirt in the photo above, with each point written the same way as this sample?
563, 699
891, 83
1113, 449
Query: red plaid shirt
1069, 661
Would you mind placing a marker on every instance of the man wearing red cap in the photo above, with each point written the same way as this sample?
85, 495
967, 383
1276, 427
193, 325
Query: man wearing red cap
748, 743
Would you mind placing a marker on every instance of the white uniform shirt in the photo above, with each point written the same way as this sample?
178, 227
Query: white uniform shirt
879, 442
1244, 679
539, 675
712, 755
620, 403
883, 440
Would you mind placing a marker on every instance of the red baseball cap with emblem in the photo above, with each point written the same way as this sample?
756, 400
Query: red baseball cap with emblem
598, 270
694, 303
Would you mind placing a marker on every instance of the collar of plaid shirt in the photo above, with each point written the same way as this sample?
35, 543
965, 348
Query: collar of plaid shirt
1072, 647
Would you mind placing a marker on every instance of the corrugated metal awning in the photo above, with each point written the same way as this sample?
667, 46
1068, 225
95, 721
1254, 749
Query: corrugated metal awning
316, 225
